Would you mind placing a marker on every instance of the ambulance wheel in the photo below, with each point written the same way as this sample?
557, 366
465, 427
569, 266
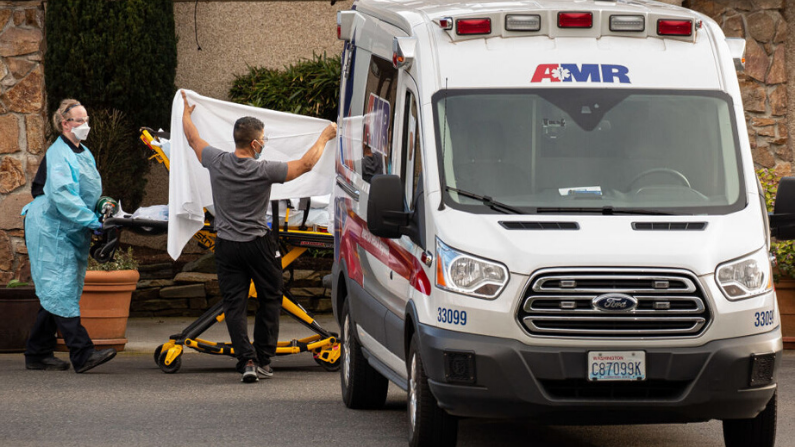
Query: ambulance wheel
429, 425
329, 366
362, 386
157, 354
759, 431
169, 369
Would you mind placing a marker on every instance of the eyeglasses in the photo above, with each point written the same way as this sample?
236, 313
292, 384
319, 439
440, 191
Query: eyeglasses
80, 121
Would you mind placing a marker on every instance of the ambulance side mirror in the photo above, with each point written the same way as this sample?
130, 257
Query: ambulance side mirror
782, 221
386, 208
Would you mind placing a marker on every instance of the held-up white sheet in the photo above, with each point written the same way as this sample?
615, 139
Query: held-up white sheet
289, 137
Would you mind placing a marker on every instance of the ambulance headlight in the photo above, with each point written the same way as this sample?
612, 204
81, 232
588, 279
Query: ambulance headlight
745, 277
467, 274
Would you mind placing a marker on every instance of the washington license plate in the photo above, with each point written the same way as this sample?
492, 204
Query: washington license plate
608, 365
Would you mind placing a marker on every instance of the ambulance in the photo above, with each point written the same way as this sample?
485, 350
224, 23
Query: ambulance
548, 210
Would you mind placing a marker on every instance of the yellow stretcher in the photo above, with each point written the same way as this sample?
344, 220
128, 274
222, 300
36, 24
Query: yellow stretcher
293, 242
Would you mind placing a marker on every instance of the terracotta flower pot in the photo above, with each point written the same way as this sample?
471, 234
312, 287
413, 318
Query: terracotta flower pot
785, 293
105, 307
18, 309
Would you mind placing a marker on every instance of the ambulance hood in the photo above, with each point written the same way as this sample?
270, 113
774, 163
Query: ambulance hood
605, 241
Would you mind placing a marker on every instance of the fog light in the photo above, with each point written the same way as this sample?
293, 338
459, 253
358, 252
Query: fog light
762, 367
459, 367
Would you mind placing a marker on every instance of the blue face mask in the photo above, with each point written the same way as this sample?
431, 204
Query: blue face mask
257, 155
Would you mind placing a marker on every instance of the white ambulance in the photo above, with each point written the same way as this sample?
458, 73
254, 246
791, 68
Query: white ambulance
548, 210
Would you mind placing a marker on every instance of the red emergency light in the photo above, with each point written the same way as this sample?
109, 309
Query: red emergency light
472, 26
667, 27
575, 20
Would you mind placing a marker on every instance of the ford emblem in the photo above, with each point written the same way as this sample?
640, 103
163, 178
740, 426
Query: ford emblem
615, 302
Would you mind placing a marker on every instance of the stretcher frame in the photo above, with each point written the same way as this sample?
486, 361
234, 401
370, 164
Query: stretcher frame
323, 344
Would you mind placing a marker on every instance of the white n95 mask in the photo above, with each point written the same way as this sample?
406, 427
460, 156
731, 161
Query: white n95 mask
81, 131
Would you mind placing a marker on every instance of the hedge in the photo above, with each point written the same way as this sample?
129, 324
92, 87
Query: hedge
114, 55
308, 87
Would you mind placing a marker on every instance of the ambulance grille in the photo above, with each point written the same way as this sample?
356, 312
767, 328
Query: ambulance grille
657, 304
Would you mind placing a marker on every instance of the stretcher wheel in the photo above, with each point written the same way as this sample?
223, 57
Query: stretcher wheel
329, 366
173, 367
157, 354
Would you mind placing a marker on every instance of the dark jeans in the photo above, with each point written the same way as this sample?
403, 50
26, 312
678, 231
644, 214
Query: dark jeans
239, 263
41, 342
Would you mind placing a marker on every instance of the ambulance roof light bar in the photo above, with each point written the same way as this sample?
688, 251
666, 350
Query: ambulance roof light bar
570, 24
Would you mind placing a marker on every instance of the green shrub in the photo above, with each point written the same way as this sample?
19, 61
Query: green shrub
114, 55
308, 87
784, 251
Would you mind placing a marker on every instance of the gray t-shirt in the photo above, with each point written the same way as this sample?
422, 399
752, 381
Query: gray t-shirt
241, 192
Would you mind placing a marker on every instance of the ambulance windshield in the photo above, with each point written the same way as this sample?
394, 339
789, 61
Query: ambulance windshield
583, 150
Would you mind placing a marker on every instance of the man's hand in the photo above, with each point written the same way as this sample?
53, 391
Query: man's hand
329, 132
191, 133
188, 108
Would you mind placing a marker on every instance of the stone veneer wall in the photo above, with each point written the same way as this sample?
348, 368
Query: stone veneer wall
22, 125
764, 83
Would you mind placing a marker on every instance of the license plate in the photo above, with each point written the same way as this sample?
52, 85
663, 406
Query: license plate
615, 366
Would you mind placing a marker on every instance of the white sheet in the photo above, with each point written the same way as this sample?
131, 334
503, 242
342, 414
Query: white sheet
289, 137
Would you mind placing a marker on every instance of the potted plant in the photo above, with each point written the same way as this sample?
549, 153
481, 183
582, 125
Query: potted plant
18, 308
784, 264
105, 302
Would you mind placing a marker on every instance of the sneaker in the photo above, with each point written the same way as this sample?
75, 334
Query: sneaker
264, 372
47, 364
250, 372
97, 358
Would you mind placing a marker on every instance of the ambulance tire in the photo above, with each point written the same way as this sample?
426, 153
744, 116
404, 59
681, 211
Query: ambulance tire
363, 387
757, 432
429, 425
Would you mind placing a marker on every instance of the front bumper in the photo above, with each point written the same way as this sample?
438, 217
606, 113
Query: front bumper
548, 384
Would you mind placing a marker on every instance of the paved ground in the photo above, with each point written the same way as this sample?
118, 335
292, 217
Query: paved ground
130, 402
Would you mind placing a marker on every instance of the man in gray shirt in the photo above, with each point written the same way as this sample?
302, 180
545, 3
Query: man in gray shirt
244, 248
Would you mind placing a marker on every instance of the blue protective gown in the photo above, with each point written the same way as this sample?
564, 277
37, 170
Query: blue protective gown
57, 228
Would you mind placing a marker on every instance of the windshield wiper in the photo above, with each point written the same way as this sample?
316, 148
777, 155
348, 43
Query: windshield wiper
606, 210
488, 201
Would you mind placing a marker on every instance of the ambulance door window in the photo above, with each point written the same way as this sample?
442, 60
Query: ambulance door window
411, 165
379, 106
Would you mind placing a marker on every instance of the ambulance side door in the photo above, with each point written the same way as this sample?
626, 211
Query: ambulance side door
408, 154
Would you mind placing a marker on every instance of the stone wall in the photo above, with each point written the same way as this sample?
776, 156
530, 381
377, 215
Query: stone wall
763, 25
187, 289
22, 125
